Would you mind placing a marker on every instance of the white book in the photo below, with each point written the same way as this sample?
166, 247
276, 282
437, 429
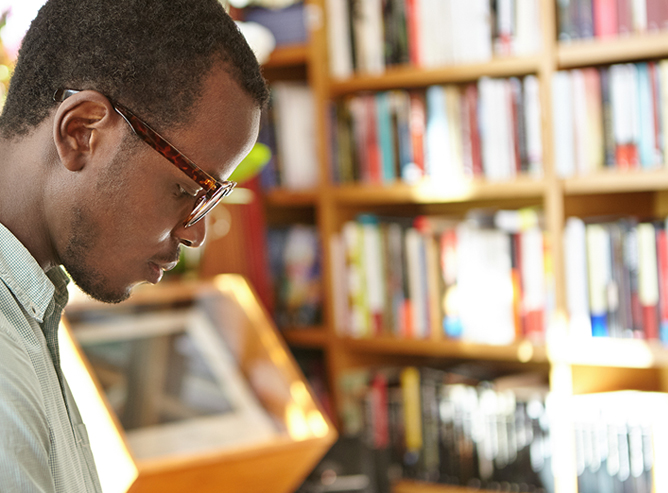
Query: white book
648, 272
562, 104
580, 127
533, 269
663, 90
416, 282
484, 28
485, 287
438, 153
577, 280
505, 27
294, 114
487, 134
374, 42
599, 268
338, 39
528, 35
533, 126
639, 15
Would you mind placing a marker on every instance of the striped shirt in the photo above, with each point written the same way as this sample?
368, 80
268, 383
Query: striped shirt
43, 442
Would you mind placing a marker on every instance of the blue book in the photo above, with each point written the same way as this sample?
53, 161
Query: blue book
646, 144
385, 137
438, 152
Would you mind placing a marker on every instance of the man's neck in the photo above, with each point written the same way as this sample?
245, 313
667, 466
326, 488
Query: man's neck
24, 166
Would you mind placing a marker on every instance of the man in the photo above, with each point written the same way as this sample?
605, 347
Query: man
103, 95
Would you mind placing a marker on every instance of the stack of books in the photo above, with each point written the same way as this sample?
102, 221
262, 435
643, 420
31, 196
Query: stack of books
586, 19
490, 129
367, 36
617, 278
619, 437
611, 118
450, 427
295, 264
428, 277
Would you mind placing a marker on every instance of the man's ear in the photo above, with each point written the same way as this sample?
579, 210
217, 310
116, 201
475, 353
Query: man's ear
80, 124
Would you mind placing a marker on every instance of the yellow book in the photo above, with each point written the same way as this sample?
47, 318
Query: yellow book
410, 386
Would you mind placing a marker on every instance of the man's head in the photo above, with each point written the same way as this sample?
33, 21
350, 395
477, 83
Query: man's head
114, 210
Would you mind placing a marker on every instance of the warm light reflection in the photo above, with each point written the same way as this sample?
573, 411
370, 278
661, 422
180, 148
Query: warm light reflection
295, 419
299, 393
114, 464
317, 424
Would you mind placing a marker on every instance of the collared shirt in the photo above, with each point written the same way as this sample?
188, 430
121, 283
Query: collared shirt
43, 443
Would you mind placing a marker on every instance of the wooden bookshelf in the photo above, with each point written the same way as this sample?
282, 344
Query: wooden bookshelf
429, 192
288, 56
602, 364
308, 337
614, 50
617, 182
420, 487
403, 77
521, 351
609, 352
291, 198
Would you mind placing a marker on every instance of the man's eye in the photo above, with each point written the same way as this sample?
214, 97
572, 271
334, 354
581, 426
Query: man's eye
182, 192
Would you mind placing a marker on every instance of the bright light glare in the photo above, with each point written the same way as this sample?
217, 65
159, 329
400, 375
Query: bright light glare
22, 12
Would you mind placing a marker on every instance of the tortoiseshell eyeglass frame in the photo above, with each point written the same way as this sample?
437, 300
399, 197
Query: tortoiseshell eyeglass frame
214, 190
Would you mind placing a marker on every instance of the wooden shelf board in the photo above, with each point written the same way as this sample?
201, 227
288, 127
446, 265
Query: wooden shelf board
420, 487
313, 337
288, 198
613, 50
523, 351
288, 56
407, 77
617, 181
430, 192
603, 351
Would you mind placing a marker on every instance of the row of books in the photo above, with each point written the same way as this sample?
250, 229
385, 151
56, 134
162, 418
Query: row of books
288, 128
586, 19
611, 117
367, 36
490, 129
615, 437
295, 265
617, 278
428, 277
448, 427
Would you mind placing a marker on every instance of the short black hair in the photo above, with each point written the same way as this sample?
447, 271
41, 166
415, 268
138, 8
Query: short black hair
150, 55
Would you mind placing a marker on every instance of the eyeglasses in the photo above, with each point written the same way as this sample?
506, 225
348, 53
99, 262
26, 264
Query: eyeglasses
214, 190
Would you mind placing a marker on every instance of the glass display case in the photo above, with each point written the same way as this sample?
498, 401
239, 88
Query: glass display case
188, 386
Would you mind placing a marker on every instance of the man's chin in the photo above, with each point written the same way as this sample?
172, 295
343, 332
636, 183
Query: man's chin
102, 292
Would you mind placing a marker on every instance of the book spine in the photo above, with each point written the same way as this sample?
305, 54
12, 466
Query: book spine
598, 259
605, 18
648, 282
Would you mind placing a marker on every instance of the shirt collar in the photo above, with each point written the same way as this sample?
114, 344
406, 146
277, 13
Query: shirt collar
32, 287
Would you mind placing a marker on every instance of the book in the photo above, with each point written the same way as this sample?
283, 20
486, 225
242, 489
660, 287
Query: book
294, 115
605, 18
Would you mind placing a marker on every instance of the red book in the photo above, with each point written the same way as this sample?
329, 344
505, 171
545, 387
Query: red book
624, 17
605, 18
662, 260
418, 123
412, 29
515, 111
471, 102
655, 14
379, 409
373, 156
